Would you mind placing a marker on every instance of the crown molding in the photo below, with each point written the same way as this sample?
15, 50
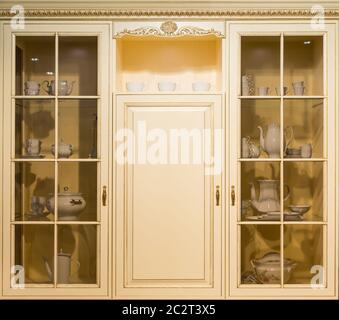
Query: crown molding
74, 12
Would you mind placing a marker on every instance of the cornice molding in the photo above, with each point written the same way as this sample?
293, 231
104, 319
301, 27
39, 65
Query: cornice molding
41, 13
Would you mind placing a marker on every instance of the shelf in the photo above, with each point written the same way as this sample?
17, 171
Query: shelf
282, 222
34, 97
57, 222
259, 97
55, 160
181, 60
282, 97
34, 222
259, 159
282, 159
259, 222
304, 159
54, 97
77, 222
78, 97
169, 93
304, 97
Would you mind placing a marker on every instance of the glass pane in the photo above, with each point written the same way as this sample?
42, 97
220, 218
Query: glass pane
34, 128
34, 246
260, 65
303, 65
266, 114
303, 120
306, 183
35, 64
77, 254
78, 59
34, 186
78, 129
303, 244
257, 241
260, 191
77, 191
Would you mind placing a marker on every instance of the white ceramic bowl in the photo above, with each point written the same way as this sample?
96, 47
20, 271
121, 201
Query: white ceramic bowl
166, 86
135, 86
201, 86
299, 208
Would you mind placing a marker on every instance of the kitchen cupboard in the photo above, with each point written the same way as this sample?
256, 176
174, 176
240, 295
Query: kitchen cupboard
55, 169
283, 220
133, 167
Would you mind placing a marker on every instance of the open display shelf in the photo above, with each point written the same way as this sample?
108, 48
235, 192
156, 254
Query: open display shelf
179, 60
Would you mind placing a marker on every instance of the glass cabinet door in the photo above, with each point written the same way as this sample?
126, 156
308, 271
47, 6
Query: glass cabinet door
57, 225
282, 99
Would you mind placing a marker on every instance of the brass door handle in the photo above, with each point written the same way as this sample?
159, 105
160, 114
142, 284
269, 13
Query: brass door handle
104, 195
232, 196
217, 195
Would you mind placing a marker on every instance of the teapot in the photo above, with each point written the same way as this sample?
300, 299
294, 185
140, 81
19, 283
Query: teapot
268, 200
65, 150
63, 267
65, 89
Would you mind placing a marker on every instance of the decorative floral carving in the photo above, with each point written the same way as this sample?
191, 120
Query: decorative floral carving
169, 29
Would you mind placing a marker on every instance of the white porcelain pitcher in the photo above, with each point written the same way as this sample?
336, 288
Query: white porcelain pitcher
271, 142
268, 200
63, 266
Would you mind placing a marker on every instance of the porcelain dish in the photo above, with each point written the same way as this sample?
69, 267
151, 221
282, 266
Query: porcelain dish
267, 268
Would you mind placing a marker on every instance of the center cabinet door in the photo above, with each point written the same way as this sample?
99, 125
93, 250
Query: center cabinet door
169, 196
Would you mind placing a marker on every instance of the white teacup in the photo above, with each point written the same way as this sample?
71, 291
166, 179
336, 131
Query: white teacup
264, 91
32, 88
65, 150
201, 86
65, 88
277, 90
166, 86
33, 147
299, 91
306, 150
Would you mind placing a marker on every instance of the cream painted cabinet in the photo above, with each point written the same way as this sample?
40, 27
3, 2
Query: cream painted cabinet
283, 216
56, 219
169, 206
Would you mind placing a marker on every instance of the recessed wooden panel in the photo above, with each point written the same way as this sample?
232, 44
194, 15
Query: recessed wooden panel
170, 231
168, 205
